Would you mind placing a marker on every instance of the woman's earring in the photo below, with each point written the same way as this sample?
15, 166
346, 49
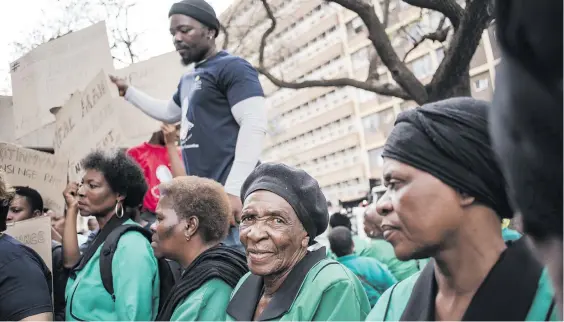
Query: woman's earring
120, 213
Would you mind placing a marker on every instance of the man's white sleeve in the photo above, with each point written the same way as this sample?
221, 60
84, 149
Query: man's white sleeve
161, 110
251, 116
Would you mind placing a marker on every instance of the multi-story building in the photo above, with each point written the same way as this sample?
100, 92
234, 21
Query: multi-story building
337, 134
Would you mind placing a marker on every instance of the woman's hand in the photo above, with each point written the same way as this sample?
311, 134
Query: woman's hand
169, 133
70, 194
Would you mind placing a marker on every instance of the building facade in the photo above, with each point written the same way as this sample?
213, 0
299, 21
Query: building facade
337, 134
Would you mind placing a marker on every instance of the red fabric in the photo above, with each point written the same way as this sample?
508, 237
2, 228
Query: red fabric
150, 157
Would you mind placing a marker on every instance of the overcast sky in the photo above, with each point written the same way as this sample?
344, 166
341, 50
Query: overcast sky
17, 17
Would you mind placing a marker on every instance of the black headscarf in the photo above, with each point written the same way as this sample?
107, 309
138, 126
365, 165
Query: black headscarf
220, 261
449, 139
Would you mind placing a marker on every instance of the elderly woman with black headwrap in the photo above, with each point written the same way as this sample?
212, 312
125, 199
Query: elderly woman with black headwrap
283, 211
445, 199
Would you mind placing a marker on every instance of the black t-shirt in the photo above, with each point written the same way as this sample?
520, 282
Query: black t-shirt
24, 281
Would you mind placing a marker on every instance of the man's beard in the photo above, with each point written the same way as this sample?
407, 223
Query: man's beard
193, 55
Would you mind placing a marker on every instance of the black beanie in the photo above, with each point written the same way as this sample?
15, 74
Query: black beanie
298, 188
199, 10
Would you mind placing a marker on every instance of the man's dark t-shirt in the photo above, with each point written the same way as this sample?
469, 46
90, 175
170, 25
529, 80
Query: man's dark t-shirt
209, 131
24, 281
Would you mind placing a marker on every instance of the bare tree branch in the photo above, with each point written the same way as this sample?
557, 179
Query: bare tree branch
462, 47
388, 90
267, 32
377, 34
439, 35
452, 10
225, 36
375, 60
450, 79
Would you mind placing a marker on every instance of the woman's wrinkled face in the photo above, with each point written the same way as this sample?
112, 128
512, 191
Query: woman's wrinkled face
95, 197
20, 209
272, 234
419, 211
168, 230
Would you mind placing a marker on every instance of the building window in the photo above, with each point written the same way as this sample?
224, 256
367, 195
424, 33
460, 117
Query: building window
361, 57
355, 26
379, 123
481, 84
375, 158
365, 96
422, 67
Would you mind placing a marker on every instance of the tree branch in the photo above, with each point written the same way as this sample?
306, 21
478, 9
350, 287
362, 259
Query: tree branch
452, 10
267, 33
439, 35
386, 90
462, 47
377, 34
225, 36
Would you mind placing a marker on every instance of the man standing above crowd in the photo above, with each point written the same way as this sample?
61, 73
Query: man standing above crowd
220, 105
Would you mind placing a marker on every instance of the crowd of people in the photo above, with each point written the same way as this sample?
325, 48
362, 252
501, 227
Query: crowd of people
209, 233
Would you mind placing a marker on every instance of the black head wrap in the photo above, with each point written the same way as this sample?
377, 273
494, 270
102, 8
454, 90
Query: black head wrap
449, 140
298, 188
199, 10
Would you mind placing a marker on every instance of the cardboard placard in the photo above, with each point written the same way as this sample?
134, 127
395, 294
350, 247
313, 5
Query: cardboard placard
36, 234
89, 120
47, 75
38, 170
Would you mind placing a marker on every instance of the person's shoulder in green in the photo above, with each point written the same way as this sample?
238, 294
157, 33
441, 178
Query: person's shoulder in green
330, 292
374, 276
391, 304
132, 266
207, 303
340, 294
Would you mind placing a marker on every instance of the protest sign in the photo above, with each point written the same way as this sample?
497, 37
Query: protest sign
47, 75
36, 234
38, 170
89, 120
6, 119
157, 77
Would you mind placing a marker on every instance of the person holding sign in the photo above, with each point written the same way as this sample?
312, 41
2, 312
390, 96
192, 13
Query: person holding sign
25, 280
112, 183
160, 161
220, 105
27, 203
